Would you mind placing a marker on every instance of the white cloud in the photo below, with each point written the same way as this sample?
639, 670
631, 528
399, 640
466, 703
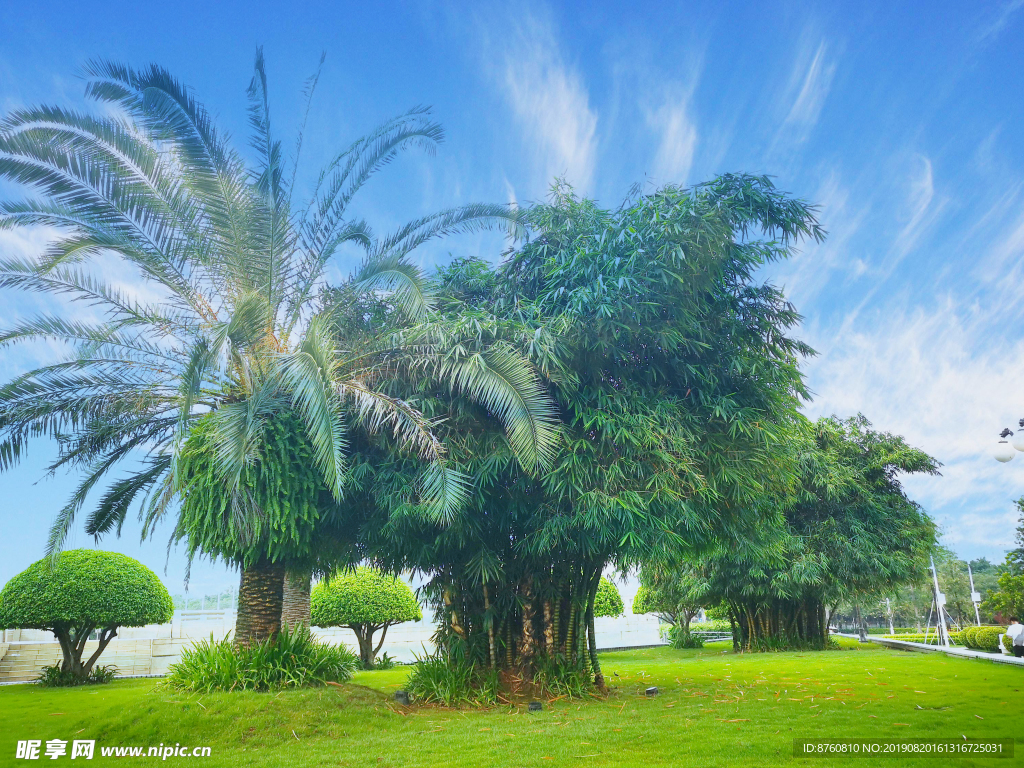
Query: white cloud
809, 86
947, 380
811, 270
994, 27
813, 90
552, 106
678, 138
920, 194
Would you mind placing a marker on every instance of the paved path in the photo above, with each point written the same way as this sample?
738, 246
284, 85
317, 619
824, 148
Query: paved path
952, 651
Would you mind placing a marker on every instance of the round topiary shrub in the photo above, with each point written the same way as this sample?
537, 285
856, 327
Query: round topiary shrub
987, 639
1008, 643
608, 601
365, 601
967, 636
83, 591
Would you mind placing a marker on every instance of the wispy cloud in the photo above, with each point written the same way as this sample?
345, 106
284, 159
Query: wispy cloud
996, 25
551, 104
816, 264
813, 90
920, 212
944, 377
809, 86
673, 123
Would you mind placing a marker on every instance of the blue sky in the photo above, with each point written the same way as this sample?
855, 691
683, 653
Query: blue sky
903, 121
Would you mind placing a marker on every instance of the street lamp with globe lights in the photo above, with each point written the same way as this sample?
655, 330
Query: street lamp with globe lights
1005, 449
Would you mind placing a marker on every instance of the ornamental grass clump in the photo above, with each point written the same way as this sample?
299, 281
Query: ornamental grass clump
452, 680
54, 676
291, 659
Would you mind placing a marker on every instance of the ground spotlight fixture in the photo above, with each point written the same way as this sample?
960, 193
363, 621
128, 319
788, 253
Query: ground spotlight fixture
535, 706
1003, 451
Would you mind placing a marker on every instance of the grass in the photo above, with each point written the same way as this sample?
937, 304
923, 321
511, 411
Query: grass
715, 707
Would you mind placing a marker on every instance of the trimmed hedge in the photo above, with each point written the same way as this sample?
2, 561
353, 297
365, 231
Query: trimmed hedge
982, 638
711, 625
608, 601
988, 639
967, 635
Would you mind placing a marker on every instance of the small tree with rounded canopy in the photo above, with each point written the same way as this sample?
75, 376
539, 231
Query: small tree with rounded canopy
673, 594
365, 601
608, 601
81, 591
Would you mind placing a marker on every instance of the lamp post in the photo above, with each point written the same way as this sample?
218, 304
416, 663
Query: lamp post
1006, 449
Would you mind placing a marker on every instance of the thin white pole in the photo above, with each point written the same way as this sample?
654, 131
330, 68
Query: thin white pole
940, 606
928, 624
975, 597
888, 609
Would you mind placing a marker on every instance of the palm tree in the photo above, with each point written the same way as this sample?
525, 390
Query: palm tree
233, 339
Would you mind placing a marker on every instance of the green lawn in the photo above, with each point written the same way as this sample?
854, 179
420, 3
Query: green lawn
716, 708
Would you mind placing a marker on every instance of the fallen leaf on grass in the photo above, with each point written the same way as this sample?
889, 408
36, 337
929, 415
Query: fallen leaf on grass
979, 717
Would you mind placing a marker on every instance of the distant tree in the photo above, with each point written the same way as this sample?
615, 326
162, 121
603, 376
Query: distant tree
1015, 557
365, 601
846, 533
608, 601
675, 593
982, 565
1008, 601
82, 591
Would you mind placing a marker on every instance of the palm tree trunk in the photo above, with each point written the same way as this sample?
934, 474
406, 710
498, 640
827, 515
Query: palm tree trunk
595, 664
489, 619
259, 602
527, 648
549, 630
295, 598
